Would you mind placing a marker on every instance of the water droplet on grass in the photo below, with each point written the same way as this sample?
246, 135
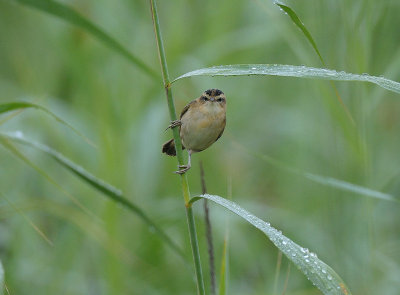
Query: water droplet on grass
18, 134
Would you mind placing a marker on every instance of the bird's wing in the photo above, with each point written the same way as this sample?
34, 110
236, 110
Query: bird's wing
186, 108
222, 131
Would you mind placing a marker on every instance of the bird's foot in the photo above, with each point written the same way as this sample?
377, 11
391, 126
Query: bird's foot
182, 169
174, 124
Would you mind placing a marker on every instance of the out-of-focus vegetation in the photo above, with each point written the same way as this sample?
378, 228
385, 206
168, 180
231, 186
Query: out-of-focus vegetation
98, 247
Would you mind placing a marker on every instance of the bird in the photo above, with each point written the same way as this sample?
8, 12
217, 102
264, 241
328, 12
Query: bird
201, 123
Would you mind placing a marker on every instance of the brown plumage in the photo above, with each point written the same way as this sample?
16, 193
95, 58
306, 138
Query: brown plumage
169, 148
201, 123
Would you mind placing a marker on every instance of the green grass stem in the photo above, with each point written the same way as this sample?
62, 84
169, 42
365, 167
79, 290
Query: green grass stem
179, 152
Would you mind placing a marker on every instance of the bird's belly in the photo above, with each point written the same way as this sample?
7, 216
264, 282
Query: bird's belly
200, 132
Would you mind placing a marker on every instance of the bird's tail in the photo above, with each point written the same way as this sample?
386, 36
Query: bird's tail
169, 148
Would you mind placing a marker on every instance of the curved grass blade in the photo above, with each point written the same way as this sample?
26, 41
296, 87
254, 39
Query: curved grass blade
8, 145
107, 189
319, 273
325, 180
73, 17
12, 106
291, 71
290, 12
296, 20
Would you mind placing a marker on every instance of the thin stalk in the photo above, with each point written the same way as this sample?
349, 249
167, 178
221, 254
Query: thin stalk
179, 153
286, 280
210, 244
277, 271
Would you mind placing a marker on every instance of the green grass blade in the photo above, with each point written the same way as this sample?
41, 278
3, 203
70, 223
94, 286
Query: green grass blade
73, 17
107, 189
319, 273
224, 267
333, 182
350, 187
29, 221
8, 145
291, 71
13, 106
1, 278
277, 272
328, 181
296, 20
290, 12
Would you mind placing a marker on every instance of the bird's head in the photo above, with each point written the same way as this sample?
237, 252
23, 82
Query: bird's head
213, 96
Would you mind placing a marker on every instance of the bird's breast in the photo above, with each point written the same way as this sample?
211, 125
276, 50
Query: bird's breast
201, 127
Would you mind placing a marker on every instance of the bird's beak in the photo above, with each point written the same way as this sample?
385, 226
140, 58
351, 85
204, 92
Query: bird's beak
212, 99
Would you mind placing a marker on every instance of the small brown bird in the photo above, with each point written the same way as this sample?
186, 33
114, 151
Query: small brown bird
201, 123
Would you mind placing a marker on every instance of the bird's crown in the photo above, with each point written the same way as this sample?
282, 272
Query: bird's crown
213, 92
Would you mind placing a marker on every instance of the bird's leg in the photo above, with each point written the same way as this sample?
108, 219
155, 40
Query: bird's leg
174, 124
184, 168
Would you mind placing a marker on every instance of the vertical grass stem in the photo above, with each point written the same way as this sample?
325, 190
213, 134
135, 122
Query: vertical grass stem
179, 153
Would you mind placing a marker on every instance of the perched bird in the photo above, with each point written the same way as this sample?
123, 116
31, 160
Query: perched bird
201, 123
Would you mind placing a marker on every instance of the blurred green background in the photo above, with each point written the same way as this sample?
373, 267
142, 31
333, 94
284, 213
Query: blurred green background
299, 122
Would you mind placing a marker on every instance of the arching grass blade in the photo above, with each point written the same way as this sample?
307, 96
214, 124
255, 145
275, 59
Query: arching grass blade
107, 189
71, 16
290, 12
291, 71
13, 106
319, 273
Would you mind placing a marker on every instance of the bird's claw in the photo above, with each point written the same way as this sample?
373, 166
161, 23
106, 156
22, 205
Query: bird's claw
182, 169
174, 124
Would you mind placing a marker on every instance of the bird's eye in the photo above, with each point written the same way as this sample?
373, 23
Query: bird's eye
220, 99
204, 98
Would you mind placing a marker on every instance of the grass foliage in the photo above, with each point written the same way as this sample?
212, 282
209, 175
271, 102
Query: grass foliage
53, 65
71, 16
291, 71
320, 274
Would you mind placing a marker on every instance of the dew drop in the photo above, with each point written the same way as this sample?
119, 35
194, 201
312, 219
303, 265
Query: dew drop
303, 250
329, 277
19, 134
323, 271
